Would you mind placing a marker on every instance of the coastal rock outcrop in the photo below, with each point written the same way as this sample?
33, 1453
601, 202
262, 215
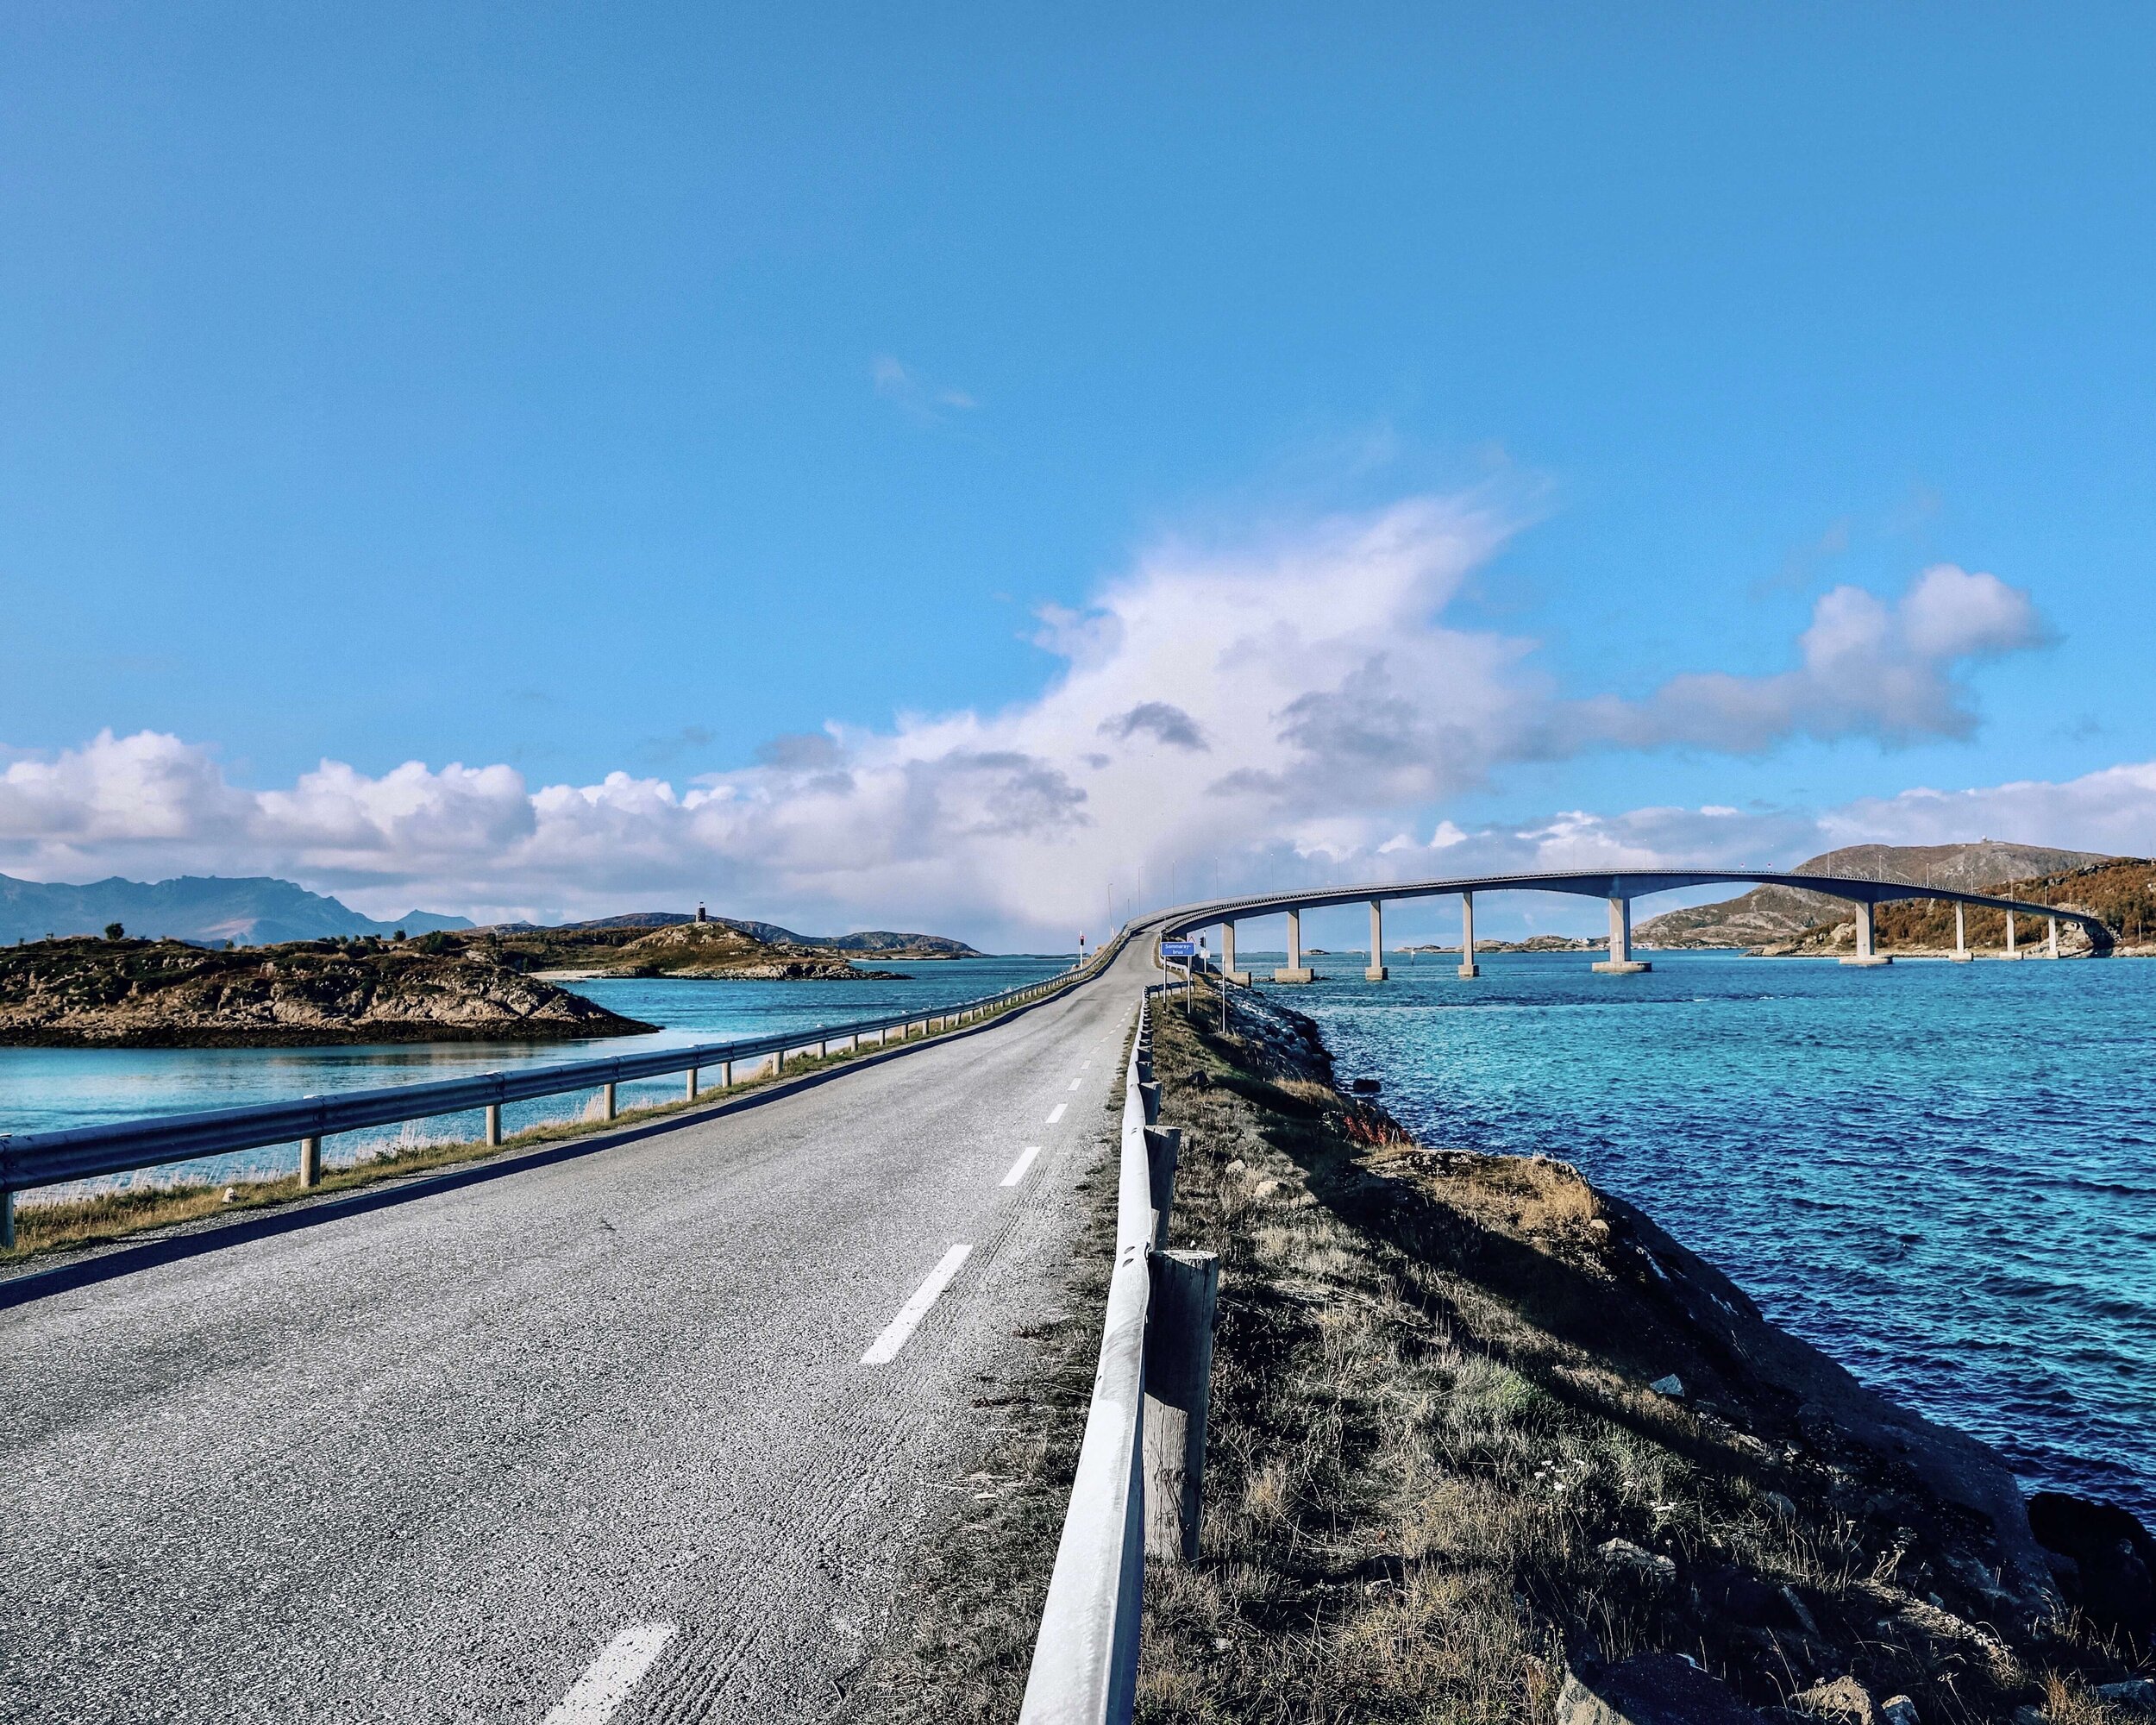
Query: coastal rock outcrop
164, 993
2103, 1558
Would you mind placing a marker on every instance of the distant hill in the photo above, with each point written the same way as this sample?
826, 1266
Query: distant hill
205, 910
875, 943
1768, 914
678, 946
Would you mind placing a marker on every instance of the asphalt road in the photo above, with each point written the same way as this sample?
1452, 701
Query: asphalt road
434, 1460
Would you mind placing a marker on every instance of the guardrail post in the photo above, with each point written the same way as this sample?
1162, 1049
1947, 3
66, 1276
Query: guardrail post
1163, 1150
1178, 1387
1150, 1092
310, 1162
725, 1075
606, 1092
692, 1084
493, 1123
7, 1221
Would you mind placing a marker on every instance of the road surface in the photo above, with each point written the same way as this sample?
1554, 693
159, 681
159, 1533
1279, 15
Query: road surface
593, 1429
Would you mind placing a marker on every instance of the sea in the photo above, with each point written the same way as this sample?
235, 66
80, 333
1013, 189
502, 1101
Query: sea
1945, 1175
1942, 1174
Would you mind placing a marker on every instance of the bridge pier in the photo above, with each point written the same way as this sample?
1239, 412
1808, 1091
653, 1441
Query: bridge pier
2051, 939
2010, 952
1240, 978
1467, 966
1962, 955
1294, 971
1620, 962
1865, 954
1377, 971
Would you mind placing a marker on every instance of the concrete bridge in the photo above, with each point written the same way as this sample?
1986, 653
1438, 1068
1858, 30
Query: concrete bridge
1620, 889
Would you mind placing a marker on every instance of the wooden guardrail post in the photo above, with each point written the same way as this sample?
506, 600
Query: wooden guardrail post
493, 1123
606, 1092
693, 1075
1163, 1150
1178, 1387
7, 1221
310, 1162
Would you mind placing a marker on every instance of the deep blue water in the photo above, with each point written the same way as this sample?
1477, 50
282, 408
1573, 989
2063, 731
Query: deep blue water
44, 1090
1945, 1175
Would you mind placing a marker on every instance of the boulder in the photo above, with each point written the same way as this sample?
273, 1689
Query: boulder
1639, 1562
2110, 1571
1649, 1689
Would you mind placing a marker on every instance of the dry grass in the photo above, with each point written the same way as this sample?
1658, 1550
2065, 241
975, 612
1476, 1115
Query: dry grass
1430, 1414
70, 1224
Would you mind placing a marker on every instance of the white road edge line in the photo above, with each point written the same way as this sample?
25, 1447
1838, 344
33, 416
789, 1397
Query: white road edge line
598, 1694
884, 1348
1024, 1161
1057, 1112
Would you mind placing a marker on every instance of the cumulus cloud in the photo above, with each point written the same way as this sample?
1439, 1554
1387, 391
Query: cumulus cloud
1163, 721
1256, 711
1867, 668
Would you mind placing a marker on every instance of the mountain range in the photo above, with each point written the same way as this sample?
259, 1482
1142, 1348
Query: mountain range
205, 910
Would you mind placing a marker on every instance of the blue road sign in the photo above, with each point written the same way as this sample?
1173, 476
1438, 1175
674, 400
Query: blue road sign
1178, 948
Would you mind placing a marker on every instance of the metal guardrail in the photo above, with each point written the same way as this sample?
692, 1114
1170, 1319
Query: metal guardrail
1137, 1489
33, 1159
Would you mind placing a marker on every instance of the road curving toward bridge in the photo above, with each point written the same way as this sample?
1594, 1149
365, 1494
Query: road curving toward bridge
644, 1435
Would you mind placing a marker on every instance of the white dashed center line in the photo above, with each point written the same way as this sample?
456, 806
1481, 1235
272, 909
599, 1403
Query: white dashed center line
598, 1694
1024, 1161
1075, 1082
885, 1349
1057, 1112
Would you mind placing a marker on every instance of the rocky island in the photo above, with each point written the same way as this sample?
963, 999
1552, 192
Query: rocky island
117, 993
628, 946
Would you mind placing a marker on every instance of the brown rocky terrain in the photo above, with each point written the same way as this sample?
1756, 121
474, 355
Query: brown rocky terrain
164, 993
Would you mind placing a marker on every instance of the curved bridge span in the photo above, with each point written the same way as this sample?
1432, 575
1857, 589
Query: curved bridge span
1620, 889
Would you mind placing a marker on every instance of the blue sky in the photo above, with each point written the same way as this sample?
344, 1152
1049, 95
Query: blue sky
569, 392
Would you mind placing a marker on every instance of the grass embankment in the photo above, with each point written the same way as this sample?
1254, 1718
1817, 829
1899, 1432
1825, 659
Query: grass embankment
1431, 1417
71, 1224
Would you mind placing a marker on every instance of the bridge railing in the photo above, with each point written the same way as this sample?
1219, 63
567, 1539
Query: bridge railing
1141, 1462
29, 1160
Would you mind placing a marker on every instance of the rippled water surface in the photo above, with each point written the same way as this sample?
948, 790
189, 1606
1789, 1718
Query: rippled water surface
1943, 1175
45, 1089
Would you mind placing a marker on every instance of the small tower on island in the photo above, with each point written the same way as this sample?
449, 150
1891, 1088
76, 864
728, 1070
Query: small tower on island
701, 916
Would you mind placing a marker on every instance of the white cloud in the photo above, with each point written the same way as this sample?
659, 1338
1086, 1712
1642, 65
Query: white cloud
1867, 668
1258, 712
917, 397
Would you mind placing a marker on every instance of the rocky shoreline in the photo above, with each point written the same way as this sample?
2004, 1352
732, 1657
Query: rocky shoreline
1704, 1517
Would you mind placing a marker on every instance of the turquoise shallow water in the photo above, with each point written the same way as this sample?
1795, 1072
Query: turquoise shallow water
46, 1089
1943, 1175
